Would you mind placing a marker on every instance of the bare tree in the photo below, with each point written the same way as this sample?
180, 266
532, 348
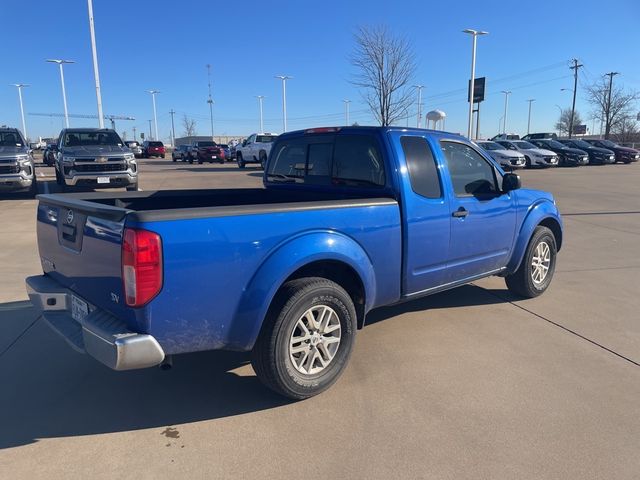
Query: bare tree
563, 123
614, 111
384, 67
626, 130
189, 126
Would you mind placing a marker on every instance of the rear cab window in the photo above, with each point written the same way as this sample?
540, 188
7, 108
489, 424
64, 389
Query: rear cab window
342, 160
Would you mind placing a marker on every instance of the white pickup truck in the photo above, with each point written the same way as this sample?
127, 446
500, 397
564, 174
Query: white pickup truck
255, 149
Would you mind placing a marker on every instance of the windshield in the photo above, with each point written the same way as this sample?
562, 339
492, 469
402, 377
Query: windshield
606, 143
266, 138
206, 144
554, 144
524, 145
10, 139
77, 139
491, 146
156, 144
581, 144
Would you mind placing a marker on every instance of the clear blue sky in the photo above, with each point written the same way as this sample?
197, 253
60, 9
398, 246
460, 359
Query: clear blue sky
165, 45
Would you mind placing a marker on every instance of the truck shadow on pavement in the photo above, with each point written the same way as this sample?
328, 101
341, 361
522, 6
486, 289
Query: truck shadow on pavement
51, 391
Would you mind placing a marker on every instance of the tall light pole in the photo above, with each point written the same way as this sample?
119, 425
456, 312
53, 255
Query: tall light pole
210, 99
284, 79
155, 116
474, 34
20, 86
506, 106
61, 62
419, 122
149, 128
346, 111
531, 100
173, 129
96, 73
260, 100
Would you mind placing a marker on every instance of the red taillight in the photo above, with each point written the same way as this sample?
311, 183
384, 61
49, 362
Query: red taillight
323, 130
141, 266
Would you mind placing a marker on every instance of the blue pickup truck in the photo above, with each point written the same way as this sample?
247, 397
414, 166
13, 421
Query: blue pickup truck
350, 219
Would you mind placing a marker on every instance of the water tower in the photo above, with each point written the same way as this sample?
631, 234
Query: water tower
436, 116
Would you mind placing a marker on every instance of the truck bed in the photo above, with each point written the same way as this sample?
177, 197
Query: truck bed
215, 243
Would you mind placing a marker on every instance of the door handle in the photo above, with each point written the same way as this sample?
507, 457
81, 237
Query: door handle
460, 213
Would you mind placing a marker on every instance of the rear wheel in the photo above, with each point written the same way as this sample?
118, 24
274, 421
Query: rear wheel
306, 339
240, 161
535, 273
263, 160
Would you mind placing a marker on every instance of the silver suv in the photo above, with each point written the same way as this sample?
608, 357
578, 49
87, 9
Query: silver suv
94, 157
17, 173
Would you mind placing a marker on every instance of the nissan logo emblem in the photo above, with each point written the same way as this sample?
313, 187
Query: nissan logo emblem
69, 216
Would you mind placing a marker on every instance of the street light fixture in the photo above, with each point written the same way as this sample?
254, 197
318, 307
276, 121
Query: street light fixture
284, 79
474, 34
155, 116
346, 111
61, 62
20, 86
419, 122
260, 100
506, 106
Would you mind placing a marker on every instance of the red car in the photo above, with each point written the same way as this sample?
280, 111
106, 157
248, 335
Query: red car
152, 149
205, 151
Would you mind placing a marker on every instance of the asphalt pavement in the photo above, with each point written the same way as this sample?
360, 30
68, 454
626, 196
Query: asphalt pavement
470, 383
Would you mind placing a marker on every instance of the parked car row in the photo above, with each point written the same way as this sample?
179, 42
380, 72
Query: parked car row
547, 150
200, 151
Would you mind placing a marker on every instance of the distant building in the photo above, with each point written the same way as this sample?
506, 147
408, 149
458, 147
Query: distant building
202, 138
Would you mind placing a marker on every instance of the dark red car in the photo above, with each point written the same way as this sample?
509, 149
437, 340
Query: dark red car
152, 149
623, 154
206, 151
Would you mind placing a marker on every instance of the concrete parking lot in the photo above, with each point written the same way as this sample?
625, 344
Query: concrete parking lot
471, 383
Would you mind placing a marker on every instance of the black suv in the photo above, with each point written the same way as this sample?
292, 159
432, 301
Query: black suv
567, 156
540, 136
623, 154
597, 155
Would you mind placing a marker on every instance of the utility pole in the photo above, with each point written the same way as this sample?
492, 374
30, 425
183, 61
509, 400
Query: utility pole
419, 122
284, 79
173, 129
20, 86
575, 68
346, 111
260, 100
531, 100
96, 74
506, 106
607, 126
474, 34
210, 99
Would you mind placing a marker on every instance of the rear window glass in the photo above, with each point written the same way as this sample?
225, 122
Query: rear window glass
155, 144
423, 171
206, 144
353, 160
266, 138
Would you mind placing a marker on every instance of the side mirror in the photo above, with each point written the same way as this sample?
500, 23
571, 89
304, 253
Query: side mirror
510, 182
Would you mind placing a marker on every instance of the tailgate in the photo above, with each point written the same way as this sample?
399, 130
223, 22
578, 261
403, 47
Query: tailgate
80, 247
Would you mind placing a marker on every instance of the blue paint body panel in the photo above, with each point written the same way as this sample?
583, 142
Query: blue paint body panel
221, 271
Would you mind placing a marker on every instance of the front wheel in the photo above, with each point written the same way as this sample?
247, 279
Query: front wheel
535, 273
132, 188
307, 338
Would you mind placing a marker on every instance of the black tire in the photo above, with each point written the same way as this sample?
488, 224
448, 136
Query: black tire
33, 190
163, 156
200, 162
239, 160
132, 188
271, 358
263, 160
521, 282
173, 158
527, 162
190, 160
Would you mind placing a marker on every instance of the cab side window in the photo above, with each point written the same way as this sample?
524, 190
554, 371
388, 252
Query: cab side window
423, 171
470, 173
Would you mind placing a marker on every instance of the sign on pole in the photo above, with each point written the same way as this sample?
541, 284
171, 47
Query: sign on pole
478, 90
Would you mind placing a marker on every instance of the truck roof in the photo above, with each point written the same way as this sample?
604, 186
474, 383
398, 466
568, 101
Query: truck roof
84, 129
321, 130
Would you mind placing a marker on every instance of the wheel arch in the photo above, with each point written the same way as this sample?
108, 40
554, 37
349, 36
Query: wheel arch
543, 213
326, 254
